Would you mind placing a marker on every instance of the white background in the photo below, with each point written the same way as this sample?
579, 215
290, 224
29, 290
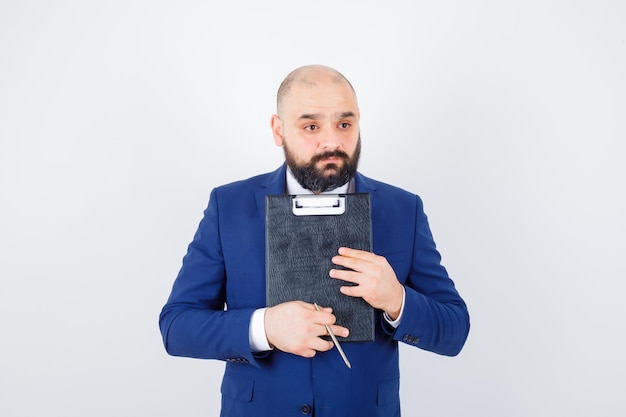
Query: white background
117, 118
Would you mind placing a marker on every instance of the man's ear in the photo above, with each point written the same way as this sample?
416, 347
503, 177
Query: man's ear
277, 130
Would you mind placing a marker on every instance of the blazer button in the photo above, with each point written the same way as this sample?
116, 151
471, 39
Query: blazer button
305, 409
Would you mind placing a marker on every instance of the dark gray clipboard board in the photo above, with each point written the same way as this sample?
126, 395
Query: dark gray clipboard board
298, 258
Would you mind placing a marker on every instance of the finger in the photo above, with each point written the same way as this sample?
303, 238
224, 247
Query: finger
340, 331
355, 264
322, 345
357, 253
352, 291
325, 318
348, 276
306, 353
318, 307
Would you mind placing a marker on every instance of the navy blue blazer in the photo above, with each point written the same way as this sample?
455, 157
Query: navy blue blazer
222, 282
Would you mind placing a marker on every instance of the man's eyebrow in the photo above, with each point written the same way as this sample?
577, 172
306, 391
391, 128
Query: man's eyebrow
318, 116
311, 116
345, 115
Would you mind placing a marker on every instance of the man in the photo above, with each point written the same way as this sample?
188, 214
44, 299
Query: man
278, 364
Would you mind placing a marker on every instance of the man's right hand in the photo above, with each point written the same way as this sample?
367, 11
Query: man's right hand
296, 327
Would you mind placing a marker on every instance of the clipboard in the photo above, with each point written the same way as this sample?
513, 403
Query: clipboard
302, 234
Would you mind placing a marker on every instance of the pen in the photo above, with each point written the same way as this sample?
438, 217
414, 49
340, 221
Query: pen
335, 341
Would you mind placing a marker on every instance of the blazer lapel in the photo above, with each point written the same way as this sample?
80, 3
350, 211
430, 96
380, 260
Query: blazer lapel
362, 184
273, 184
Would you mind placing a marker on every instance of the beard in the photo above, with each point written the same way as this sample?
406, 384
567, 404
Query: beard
329, 176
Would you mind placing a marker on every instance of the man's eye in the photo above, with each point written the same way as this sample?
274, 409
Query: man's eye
344, 125
310, 127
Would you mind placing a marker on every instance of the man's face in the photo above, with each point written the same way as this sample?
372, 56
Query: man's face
318, 126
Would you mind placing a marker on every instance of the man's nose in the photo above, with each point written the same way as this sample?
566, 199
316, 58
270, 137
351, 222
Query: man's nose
330, 141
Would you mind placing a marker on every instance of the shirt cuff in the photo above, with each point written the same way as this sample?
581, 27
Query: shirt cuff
256, 332
395, 323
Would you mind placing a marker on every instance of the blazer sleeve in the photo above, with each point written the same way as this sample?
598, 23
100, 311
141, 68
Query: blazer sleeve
195, 322
435, 316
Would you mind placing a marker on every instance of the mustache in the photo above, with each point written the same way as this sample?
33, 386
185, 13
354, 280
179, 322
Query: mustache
330, 154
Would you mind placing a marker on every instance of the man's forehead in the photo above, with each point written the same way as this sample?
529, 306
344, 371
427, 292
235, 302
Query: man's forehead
332, 98
316, 86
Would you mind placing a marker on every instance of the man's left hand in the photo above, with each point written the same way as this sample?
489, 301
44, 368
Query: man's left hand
375, 280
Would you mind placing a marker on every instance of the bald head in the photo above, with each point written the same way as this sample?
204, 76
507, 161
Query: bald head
309, 76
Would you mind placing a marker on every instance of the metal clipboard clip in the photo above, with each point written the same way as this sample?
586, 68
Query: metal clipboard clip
318, 205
